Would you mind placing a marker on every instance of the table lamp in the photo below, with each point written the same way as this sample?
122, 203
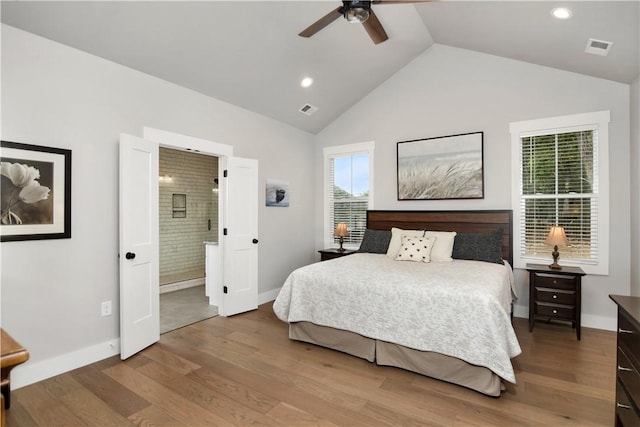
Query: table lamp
342, 232
556, 238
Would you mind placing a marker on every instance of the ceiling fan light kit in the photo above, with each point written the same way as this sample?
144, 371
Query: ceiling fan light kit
356, 12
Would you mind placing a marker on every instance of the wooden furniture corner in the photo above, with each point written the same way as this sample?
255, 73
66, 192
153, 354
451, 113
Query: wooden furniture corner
327, 254
12, 354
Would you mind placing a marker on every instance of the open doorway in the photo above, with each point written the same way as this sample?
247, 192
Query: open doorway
188, 222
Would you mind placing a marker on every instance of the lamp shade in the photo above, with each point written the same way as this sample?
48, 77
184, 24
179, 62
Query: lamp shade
341, 230
557, 237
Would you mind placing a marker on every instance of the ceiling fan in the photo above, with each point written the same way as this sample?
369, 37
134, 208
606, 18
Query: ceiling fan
358, 12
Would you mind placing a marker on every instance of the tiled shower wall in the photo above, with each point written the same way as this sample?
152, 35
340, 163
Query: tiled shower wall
182, 251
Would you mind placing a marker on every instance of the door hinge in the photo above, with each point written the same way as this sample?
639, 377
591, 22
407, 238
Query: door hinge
224, 173
224, 231
225, 290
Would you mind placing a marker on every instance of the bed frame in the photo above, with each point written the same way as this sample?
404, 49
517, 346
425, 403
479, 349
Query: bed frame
427, 363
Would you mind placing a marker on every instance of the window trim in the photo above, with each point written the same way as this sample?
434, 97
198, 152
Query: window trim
598, 121
337, 151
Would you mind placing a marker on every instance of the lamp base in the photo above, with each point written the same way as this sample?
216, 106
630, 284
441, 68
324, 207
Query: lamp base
555, 254
341, 249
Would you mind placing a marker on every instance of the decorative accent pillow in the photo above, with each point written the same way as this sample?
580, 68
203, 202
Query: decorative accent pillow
443, 247
417, 249
479, 246
396, 240
375, 241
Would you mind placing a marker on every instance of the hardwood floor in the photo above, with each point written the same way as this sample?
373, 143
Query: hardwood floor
244, 370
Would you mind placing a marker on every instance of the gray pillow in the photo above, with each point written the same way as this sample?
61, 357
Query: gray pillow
479, 247
375, 241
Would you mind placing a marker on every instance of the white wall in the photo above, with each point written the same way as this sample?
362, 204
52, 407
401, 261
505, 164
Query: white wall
56, 96
449, 91
635, 188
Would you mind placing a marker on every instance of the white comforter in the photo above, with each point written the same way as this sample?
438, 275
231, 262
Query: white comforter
458, 308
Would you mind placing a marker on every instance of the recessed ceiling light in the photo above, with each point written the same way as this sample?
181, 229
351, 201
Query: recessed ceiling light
561, 13
306, 82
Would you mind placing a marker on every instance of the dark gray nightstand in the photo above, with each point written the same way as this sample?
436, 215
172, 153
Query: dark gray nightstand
555, 294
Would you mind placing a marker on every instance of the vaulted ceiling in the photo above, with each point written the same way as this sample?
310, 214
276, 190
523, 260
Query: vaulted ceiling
248, 53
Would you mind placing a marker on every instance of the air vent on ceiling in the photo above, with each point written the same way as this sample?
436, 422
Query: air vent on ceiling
308, 109
598, 47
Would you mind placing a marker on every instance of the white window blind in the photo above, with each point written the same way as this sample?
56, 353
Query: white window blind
349, 195
559, 187
348, 191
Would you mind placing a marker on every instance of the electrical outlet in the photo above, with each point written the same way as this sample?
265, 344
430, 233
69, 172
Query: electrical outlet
105, 308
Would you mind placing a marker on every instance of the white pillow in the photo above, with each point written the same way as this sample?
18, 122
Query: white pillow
417, 249
396, 240
443, 247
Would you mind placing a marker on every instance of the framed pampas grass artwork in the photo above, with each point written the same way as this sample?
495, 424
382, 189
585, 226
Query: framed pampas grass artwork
440, 168
35, 192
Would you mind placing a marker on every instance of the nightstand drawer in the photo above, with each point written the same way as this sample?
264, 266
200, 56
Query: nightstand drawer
557, 296
629, 338
556, 311
625, 411
628, 376
555, 282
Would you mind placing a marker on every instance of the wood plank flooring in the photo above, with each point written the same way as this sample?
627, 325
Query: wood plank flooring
244, 371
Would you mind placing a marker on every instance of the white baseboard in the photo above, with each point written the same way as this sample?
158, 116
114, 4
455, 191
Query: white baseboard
268, 296
587, 320
170, 287
521, 311
30, 373
599, 322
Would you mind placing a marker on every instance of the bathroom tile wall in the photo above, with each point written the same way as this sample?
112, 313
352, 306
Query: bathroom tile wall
182, 252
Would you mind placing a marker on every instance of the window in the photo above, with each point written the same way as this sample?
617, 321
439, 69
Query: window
560, 175
348, 190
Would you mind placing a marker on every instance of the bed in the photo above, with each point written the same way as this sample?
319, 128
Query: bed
446, 319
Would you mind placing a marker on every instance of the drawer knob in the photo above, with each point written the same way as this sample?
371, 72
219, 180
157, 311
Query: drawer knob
555, 311
622, 368
624, 331
555, 282
622, 406
555, 296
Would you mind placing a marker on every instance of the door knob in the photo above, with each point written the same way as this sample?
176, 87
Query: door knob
255, 241
130, 255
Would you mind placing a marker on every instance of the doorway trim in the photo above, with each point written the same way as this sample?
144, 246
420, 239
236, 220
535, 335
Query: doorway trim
189, 143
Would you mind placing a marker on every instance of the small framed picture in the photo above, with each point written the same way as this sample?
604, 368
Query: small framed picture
277, 193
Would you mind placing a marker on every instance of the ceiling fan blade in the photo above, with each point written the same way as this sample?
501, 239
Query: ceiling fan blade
374, 28
322, 22
400, 1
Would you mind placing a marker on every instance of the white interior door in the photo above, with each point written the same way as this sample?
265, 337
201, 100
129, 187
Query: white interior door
139, 236
240, 272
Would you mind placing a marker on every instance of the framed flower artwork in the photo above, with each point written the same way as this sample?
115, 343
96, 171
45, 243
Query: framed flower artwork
35, 192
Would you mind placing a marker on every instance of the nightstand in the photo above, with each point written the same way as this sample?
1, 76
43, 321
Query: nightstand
326, 254
555, 294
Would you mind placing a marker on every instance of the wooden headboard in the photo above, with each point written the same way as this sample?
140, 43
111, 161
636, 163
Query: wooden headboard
460, 221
